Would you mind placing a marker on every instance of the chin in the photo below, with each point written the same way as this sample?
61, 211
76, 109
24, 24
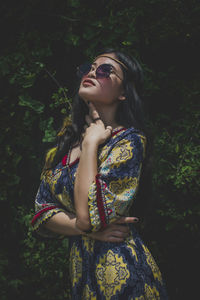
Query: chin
83, 94
96, 98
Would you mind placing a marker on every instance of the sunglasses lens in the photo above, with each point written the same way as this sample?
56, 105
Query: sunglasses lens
103, 71
83, 70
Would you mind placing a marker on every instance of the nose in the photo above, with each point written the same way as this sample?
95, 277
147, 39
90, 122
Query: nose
92, 73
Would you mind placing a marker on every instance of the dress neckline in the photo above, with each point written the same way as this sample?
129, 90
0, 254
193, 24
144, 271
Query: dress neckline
66, 158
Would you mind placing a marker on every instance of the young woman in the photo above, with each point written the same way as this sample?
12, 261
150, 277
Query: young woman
90, 180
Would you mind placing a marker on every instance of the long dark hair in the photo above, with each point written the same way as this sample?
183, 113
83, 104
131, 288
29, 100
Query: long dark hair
129, 112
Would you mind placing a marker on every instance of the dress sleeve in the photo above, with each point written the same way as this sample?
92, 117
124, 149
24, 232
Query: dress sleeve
46, 206
114, 189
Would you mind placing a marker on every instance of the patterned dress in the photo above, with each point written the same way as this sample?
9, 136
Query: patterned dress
104, 270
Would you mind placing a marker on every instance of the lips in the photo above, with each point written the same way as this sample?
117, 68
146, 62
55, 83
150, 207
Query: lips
88, 82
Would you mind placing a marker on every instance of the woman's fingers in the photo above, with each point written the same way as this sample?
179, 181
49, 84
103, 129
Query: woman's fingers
85, 127
118, 231
120, 234
127, 220
114, 239
88, 120
112, 233
93, 112
121, 228
117, 236
115, 233
108, 131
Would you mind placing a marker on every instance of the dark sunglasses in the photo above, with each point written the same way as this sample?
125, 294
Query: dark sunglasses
102, 71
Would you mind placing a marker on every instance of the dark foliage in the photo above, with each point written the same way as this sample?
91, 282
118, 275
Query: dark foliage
42, 42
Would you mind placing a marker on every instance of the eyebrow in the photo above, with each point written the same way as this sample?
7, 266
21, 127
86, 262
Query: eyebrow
104, 64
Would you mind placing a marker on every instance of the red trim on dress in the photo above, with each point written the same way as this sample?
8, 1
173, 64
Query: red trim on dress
100, 202
115, 132
41, 212
64, 160
74, 162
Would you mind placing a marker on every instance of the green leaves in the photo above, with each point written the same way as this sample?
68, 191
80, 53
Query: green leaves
27, 101
176, 168
49, 132
28, 80
74, 3
60, 98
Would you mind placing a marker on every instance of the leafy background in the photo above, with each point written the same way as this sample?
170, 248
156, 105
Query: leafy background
42, 42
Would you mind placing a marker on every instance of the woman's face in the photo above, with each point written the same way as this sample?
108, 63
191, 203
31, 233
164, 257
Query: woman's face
103, 91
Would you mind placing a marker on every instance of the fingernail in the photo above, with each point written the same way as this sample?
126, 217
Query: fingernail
136, 220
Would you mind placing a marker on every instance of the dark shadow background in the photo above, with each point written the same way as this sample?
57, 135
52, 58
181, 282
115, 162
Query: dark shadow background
42, 43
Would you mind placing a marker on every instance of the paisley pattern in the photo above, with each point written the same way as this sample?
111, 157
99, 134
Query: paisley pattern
131, 246
88, 244
75, 265
123, 186
64, 198
88, 294
112, 273
152, 264
104, 270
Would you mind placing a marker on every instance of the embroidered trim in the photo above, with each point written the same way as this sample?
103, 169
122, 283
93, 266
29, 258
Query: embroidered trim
74, 162
115, 132
100, 202
41, 212
64, 160
43, 219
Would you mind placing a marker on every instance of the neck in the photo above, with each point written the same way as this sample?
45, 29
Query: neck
107, 115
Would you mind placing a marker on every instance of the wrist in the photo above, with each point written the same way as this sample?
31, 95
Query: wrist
90, 144
78, 230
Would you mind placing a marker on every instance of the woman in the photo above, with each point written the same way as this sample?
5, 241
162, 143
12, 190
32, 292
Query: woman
90, 181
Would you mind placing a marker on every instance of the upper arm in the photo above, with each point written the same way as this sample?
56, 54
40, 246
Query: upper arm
46, 206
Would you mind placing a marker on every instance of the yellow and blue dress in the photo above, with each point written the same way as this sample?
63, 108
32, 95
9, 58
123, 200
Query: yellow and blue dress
104, 270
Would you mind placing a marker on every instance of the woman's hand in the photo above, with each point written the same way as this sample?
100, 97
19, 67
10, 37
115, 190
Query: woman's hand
115, 232
96, 132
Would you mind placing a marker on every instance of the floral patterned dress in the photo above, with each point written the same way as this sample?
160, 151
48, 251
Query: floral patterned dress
104, 270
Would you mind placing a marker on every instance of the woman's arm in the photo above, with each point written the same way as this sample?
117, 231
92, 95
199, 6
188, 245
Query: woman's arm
114, 188
115, 232
85, 175
95, 135
63, 224
93, 210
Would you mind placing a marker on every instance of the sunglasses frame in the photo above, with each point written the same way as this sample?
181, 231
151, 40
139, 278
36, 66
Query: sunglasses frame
96, 71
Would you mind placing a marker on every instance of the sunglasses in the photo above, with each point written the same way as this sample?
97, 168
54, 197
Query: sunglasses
102, 71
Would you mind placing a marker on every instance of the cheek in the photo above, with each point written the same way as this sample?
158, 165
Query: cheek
109, 87
106, 90
106, 85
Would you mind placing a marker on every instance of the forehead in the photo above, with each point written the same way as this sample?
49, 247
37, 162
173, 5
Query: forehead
107, 60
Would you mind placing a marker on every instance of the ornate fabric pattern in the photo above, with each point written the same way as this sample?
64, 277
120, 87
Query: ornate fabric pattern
111, 273
64, 198
117, 182
87, 294
152, 264
104, 270
75, 265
